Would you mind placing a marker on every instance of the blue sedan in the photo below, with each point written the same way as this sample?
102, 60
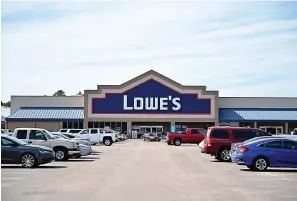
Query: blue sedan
268, 152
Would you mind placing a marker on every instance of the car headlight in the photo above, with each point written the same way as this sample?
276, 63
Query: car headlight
75, 145
43, 151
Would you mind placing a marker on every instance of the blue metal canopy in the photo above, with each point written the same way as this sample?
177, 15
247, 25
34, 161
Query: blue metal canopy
258, 114
48, 114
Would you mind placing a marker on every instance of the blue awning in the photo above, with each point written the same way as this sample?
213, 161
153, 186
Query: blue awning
48, 114
258, 115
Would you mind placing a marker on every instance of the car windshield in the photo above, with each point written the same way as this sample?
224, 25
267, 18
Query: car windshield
48, 134
16, 140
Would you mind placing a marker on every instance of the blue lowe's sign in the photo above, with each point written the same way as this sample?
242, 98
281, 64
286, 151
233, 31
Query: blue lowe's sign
151, 97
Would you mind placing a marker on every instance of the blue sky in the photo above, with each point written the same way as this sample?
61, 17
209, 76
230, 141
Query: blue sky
240, 49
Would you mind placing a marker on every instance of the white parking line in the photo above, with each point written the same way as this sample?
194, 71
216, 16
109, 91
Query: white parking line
276, 186
287, 196
10, 178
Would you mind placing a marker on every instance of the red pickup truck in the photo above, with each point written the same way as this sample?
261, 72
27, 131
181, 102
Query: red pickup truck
191, 135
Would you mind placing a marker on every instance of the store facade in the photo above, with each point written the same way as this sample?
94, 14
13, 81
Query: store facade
154, 103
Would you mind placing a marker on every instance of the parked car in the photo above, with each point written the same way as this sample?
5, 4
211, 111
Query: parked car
294, 132
77, 136
151, 137
15, 151
74, 130
99, 135
84, 146
144, 136
192, 135
80, 141
6, 131
267, 152
63, 148
218, 140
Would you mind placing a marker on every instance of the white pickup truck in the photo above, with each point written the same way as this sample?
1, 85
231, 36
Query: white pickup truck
99, 135
63, 148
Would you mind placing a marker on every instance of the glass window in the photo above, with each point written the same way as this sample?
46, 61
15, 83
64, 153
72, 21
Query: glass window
86, 131
6, 142
70, 136
81, 125
90, 124
221, 134
94, 131
96, 125
107, 124
275, 144
124, 126
75, 124
101, 125
70, 124
63, 130
290, 145
244, 134
262, 133
22, 134
74, 131
113, 125
36, 135
202, 131
194, 131
65, 125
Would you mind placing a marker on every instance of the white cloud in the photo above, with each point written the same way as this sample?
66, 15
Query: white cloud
112, 43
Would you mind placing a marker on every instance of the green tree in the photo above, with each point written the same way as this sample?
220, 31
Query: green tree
5, 104
80, 93
59, 93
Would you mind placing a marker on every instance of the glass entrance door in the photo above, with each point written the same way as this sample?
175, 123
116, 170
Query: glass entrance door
275, 130
151, 129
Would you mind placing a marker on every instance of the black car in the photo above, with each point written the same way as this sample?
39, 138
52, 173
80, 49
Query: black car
151, 137
15, 151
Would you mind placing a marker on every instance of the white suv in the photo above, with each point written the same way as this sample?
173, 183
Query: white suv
63, 148
99, 135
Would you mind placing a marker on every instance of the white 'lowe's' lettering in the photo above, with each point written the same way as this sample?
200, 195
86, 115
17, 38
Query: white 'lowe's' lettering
155, 103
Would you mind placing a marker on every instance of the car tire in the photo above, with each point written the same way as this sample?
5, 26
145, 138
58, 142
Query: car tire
28, 161
260, 164
223, 155
61, 154
177, 142
107, 141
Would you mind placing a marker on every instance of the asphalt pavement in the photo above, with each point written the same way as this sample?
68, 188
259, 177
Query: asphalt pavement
134, 170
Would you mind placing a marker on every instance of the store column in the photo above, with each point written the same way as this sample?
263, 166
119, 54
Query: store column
129, 129
286, 128
255, 124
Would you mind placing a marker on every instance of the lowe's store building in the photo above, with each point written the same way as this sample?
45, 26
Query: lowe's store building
154, 103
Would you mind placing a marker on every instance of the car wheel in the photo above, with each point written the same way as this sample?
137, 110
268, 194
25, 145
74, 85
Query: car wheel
61, 154
107, 142
28, 161
260, 164
223, 155
177, 142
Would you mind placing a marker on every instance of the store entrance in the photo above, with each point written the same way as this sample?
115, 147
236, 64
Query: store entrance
273, 129
151, 129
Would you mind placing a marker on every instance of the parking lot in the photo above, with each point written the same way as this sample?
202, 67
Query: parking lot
135, 170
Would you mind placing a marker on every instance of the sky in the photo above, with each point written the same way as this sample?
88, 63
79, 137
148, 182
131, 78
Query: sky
238, 48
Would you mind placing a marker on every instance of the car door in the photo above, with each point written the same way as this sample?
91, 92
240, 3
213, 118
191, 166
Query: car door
10, 153
275, 152
290, 149
37, 137
195, 136
94, 135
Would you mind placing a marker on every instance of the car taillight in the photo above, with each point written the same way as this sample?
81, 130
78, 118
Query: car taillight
243, 149
208, 143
